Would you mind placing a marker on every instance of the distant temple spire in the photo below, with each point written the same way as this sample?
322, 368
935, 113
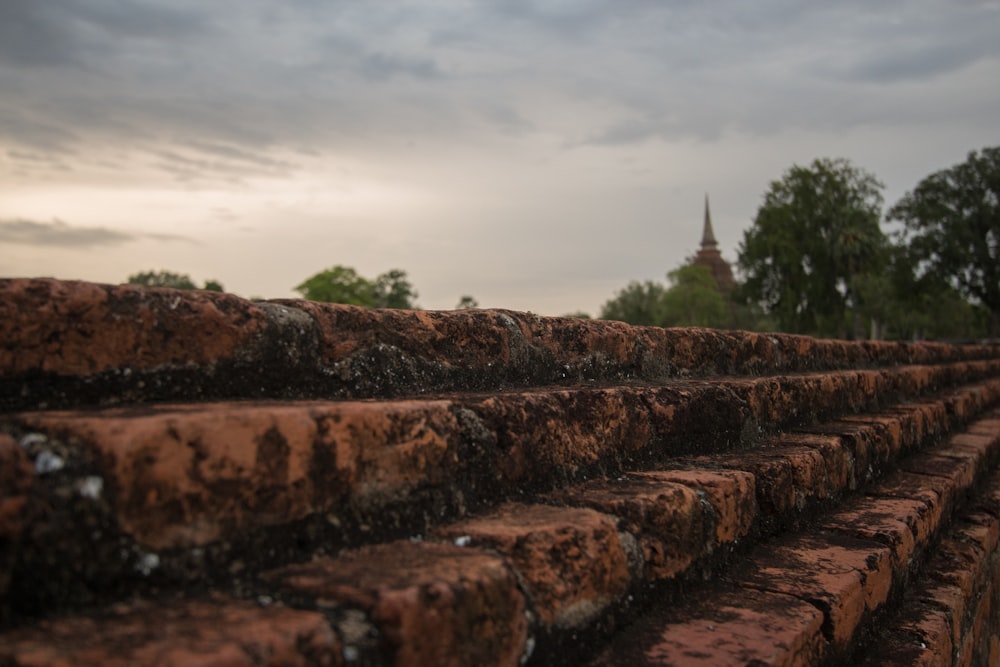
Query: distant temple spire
710, 256
708, 241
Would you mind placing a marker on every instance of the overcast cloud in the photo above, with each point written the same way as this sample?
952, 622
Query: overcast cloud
537, 155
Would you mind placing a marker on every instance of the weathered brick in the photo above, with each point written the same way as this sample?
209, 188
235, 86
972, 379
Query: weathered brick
422, 603
786, 478
723, 627
218, 632
845, 577
78, 328
891, 521
16, 477
665, 517
953, 477
911, 486
921, 637
554, 433
731, 493
571, 559
840, 472
191, 474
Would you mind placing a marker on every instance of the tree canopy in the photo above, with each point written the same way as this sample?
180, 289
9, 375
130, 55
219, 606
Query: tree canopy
637, 303
342, 284
466, 302
170, 279
694, 299
951, 225
814, 239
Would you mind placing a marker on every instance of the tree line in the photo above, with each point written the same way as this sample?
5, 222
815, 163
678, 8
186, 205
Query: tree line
338, 284
816, 260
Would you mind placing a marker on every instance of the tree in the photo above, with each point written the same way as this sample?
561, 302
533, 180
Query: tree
466, 302
637, 303
393, 290
694, 299
170, 279
339, 284
951, 224
342, 284
814, 239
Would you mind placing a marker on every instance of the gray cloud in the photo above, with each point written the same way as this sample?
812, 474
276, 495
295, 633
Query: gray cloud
58, 234
256, 76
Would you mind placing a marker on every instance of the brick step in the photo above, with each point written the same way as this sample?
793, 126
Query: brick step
812, 597
203, 492
952, 615
67, 343
528, 573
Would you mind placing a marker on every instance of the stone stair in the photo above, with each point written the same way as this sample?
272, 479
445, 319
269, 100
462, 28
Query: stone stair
192, 478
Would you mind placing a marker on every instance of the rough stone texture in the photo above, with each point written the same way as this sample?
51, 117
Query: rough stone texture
187, 475
16, 477
82, 329
891, 521
70, 343
666, 518
730, 493
425, 604
844, 577
572, 560
920, 638
191, 477
212, 633
725, 627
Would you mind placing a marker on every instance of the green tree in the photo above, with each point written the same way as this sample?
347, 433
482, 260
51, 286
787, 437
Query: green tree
814, 239
339, 284
170, 279
637, 303
342, 284
694, 299
466, 302
951, 224
394, 290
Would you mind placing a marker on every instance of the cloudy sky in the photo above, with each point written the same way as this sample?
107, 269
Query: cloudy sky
537, 155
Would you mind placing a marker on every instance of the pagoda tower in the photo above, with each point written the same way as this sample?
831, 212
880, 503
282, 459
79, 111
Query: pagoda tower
710, 256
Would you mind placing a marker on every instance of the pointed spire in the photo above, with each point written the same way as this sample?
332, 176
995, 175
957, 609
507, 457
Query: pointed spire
708, 241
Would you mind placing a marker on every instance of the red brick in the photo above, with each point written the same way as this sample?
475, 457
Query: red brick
429, 604
890, 428
731, 493
953, 476
846, 577
786, 478
726, 627
571, 559
665, 518
556, 432
922, 638
230, 633
840, 472
891, 521
959, 564
871, 448
990, 427
77, 328
950, 600
16, 477
191, 474
911, 486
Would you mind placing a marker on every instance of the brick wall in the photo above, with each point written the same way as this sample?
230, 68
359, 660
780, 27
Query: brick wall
192, 478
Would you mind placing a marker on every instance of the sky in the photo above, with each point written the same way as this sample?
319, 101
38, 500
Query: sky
536, 155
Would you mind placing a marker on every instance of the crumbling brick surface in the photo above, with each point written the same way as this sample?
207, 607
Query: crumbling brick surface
192, 478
